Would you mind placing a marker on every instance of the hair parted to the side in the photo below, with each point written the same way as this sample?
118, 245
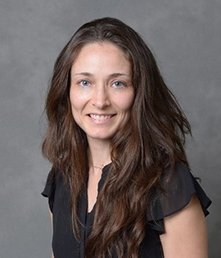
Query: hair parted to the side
152, 140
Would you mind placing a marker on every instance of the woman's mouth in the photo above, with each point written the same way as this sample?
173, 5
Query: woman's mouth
100, 118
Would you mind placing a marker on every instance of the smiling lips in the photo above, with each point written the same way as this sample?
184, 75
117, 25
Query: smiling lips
100, 118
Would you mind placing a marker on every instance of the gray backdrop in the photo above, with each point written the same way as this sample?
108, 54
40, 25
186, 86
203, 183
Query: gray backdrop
185, 38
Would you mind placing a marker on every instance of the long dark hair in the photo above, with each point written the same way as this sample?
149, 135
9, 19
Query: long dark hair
151, 141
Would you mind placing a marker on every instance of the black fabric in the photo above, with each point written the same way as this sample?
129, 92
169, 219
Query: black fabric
179, 185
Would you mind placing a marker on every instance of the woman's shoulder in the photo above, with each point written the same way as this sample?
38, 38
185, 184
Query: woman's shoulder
178, 185
54, 181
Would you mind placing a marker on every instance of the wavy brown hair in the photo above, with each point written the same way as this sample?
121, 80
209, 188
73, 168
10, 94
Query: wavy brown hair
151, 141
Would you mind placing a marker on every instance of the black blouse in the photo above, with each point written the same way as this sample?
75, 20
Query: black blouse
179, 186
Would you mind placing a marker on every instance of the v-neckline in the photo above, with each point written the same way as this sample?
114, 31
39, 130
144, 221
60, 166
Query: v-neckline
99, 186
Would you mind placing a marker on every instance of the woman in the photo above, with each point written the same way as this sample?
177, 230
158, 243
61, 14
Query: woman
120, 184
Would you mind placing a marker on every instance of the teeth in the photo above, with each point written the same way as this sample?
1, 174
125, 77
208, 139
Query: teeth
100, 117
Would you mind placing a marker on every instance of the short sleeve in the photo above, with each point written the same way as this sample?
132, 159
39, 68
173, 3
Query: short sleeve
179, 185
49, 189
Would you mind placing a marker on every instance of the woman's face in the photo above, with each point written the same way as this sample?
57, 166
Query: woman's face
101, 91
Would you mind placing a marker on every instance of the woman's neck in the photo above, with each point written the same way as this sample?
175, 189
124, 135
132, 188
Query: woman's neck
98, 153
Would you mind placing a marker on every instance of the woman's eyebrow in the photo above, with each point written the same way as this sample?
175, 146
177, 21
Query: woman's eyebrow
118, 75
83, 73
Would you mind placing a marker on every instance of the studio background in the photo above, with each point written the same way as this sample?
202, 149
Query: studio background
185, 38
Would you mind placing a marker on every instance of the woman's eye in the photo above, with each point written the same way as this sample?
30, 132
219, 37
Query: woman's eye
84, 83
119, 84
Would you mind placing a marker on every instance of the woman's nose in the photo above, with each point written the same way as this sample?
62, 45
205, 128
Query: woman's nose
100, 97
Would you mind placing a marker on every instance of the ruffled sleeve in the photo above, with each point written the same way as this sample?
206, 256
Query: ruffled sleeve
179, 186
49, 189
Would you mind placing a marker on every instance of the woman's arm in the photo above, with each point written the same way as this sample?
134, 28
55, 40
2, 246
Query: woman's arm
51, 217
186, 233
